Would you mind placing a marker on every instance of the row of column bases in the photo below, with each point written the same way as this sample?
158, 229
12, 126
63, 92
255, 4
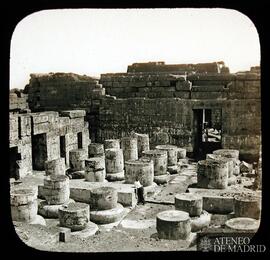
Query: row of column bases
108, 160
181, 223
128, 159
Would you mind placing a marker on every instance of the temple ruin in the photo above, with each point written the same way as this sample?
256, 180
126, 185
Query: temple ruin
190, 134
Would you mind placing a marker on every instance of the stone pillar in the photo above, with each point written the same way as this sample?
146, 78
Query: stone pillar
230, 162
141, 170
55, 167
112, 143
103, 198
173, 225
190, 203
56, 189
247, 206
212, 174
95, 150
114, 162
172, 152
74, 216
233, 155
77, 159
130, 148
182, 153
104, 206
236, 170
159, 158
95, 169
143, 143
24, 206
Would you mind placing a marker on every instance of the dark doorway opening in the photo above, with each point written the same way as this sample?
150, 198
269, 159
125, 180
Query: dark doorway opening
39, 151
63, 147
14, 156
79, 137
197, 130
207, 132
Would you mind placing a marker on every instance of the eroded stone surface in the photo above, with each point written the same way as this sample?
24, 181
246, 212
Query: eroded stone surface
173, 225
74, 216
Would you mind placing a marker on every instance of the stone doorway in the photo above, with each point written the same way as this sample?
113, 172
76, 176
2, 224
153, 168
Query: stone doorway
79, 138
63, 148
39, 151
207, 131
14, 157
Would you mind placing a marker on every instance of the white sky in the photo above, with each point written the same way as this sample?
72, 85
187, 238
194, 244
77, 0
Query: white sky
94, 41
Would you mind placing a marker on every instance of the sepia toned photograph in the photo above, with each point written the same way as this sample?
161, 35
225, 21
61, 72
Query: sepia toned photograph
136, 130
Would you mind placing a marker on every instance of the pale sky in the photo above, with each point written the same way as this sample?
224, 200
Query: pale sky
95, 41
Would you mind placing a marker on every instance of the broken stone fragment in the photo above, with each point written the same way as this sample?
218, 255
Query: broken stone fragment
245, 167
112, 143
190, 203
247, 205
95, 149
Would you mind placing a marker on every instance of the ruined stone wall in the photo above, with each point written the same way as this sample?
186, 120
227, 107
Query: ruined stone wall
124, 85
160, 104
20, 138
36, 137
60, 91
242, 126
197, 86
18, 101
171, 121
214, 67
166, 120
72, 124
65, 91
13, 129
234, 100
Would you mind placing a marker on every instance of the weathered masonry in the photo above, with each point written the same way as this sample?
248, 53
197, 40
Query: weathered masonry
172, 108
66, 91
42, 136
171, 103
